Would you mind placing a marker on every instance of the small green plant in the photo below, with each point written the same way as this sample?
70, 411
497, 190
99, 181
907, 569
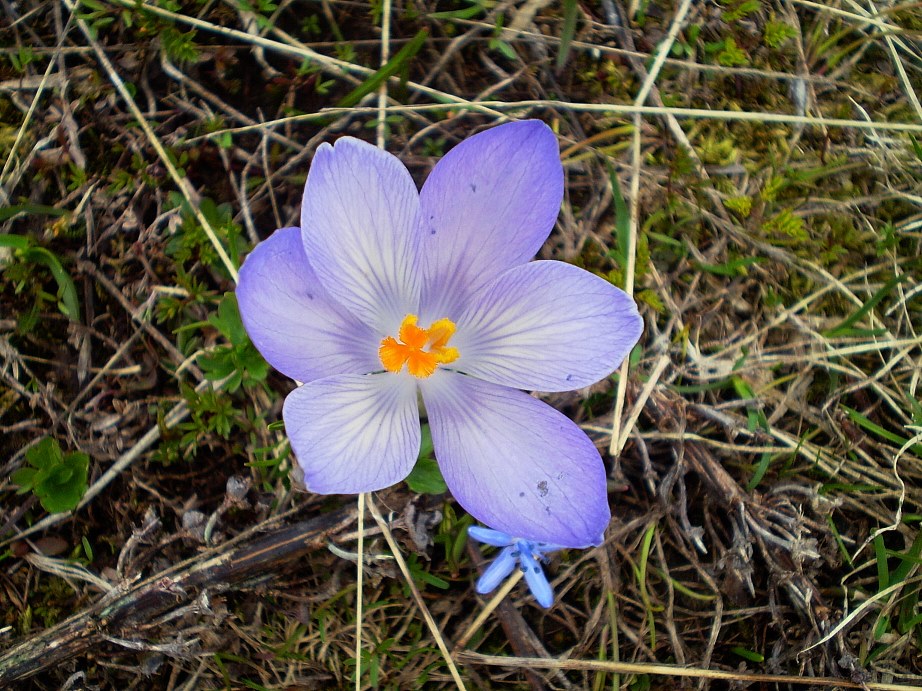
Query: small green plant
740, 205
776, 34
212, 413
178, 45
739, 10
786, 227
22, 57
728, 53
58, 480
498, 44
239, 360
190, 242
26, 251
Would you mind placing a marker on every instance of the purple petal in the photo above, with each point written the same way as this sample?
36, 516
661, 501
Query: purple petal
537, 581
358, 221
291, 319
515, 463
354, 433
489, 537
497, 571
488, 205
546, 326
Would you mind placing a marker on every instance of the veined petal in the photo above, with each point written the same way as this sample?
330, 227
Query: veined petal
354, 433
515, 463
292, 320
496, 572
537, 582
546, 326
488, 205
358, 220
489, 537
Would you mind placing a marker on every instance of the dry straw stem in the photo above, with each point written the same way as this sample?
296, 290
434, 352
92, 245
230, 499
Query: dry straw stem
451, 102
298, 49
360, 562
26, 122
411, 584
187, 192
488, 610
670, 671
527, 106
862, 609
620, 433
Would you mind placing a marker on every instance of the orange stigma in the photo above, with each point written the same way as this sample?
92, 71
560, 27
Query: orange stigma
408, 350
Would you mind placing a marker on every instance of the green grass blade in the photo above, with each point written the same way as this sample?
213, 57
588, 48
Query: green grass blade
622, 219
842, 329
67, 291
388, 70
570, 13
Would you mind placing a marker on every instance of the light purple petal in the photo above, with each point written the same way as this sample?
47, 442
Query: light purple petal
537, 581
291, 319
358, 220
497, 571
515, 463
354, 433
488, 205
546, 326
489, 537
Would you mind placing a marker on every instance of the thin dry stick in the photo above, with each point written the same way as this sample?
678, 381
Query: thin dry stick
603, 108
183, 185
620, 434
430, 622
297, 49
671, 671
886, 28
358, 591
860, 611
4, 197
488, 610
380, 137
385, 56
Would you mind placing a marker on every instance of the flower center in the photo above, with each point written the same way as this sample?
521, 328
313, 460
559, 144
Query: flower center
408, 348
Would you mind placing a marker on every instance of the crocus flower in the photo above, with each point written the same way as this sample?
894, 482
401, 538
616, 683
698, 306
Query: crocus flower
529, 555
385, 293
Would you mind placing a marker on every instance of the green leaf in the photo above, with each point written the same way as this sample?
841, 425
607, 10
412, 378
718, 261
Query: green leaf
915, 147
60, 476
227, 320
46, 454
747, 654
503, 47
622, 218
426, 478
388, 70
874, 428
24, 477
8, 212
732, 268
426, 447
16, 242
844, 326
570, 13
61, 500
58, 481
466, 13
68, 304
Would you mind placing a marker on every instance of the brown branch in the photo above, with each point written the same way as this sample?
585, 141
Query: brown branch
252, 555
